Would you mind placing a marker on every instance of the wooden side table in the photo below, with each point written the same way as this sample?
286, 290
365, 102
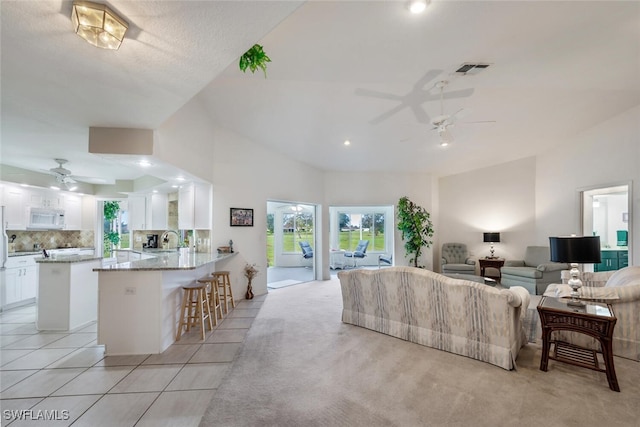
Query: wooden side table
594, 319
496, 263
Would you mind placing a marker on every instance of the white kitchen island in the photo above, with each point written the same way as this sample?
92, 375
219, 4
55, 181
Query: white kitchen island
67, 292
139, 301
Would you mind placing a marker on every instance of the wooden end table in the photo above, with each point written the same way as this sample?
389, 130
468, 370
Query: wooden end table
594, 319
496, 263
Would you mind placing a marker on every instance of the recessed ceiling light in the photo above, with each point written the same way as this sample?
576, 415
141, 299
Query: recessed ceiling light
418, 6
155, 191
180, 178
174, 186
347, 142
444, 143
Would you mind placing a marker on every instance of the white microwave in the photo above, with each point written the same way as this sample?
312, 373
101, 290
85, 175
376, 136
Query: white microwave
46, 219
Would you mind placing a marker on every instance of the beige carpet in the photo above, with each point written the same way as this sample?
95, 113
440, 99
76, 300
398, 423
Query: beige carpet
301, 366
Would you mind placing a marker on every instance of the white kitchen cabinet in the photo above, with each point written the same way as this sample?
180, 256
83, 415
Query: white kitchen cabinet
89, 212
11, 291
40, 198
136, 205
21, 281
29, 284
16, 207
73, 212
148, 212
157, 211
186, 205
202, 209
194, 207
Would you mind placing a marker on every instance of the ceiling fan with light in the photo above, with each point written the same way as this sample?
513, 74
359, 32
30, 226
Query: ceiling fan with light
443, 122
63, 175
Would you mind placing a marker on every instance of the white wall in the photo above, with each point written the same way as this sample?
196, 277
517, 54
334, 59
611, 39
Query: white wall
185, 140
245, 176
608, 153
531, 199
382, 189
526, 200
500, 198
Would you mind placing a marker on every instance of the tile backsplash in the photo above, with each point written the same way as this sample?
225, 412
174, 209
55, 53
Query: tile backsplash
51, 239
203, 236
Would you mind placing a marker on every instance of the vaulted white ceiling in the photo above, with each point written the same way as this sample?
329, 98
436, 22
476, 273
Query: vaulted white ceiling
358, 70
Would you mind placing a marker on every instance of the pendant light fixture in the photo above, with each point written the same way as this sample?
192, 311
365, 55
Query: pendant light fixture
98, 24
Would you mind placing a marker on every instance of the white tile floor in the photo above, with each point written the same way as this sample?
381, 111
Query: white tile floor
66, 375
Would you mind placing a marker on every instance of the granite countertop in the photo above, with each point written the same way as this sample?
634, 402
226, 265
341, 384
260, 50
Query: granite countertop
39, 251
24, 253
68, 259
168, 261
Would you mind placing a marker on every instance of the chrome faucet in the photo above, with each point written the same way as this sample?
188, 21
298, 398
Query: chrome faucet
165, 237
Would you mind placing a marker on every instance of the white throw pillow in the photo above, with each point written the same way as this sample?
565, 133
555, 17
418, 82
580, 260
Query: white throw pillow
624, 276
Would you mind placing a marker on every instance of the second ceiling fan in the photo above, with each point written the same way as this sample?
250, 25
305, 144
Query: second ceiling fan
444, 122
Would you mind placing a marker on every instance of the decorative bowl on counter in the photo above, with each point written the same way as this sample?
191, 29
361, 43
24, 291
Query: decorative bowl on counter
224, 249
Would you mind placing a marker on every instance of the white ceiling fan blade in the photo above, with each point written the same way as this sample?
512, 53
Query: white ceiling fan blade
461, 93
478, 121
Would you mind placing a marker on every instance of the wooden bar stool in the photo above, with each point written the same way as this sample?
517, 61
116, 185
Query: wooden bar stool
214, 297
224, 283
195, 308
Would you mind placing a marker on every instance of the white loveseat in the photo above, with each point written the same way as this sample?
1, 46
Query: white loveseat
619, 288
454, 315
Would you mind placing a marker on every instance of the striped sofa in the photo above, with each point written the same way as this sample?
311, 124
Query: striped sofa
454, 315
621, 289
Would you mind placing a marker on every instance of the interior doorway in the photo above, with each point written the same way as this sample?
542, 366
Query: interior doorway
606, 212
291, 243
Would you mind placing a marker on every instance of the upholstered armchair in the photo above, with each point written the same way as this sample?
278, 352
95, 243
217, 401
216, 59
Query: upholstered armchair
534, 273
455, 259
619, 288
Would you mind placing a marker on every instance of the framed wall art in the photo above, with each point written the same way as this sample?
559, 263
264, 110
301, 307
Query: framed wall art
241, 217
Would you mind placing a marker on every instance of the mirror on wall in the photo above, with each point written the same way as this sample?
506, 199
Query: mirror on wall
606, 212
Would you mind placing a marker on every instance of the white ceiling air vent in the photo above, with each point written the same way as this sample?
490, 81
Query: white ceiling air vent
471, 68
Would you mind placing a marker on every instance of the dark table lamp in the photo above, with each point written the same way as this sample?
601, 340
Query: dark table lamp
575, 250
491, 238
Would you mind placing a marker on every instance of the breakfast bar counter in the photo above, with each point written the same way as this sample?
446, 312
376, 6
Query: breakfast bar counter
139, 301
166, 261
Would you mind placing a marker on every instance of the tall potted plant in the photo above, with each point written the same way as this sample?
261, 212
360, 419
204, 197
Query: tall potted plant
417, 229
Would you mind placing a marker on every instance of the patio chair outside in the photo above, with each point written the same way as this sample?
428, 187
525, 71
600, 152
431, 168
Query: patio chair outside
307, 251
360, 252
385, 259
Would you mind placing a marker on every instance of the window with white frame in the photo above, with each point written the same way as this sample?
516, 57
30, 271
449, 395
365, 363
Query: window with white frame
349, 225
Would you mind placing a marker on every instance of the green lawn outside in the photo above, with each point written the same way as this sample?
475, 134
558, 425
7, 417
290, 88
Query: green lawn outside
348, 242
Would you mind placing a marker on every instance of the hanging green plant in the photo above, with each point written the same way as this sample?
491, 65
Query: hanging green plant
111, 209
112, 237
253, 59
